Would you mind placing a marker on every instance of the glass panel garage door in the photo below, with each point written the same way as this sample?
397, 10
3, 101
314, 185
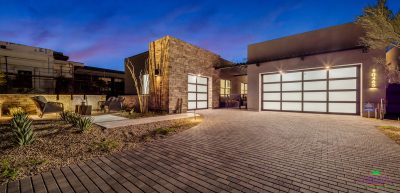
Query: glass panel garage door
197, 92
320, 90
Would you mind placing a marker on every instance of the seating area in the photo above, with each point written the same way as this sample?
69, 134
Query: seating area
111, 104
46, 107
233, 101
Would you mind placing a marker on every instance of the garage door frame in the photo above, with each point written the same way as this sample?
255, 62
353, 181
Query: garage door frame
198, 92
327, 90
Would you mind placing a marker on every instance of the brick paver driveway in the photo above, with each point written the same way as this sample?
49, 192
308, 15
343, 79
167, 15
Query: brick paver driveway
239, 151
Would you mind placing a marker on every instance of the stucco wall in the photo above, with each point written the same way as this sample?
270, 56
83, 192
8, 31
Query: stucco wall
321, 60
24, 101
139, 62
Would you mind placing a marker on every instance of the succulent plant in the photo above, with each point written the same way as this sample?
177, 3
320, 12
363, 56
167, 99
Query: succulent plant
84, 123
21, 127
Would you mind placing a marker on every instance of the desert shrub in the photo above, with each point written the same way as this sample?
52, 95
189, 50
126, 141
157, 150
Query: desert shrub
74, 119
22, 131
35, 161
7, 171
65, 115
164, 130
105, 145
15, 110
147, 137
84, 123
70, 117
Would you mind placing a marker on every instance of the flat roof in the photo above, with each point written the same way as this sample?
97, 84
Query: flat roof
102, 69
336, 38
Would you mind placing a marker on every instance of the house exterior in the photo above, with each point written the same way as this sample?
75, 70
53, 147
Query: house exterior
32, 71
44, 71
98, 81
29, 68
322, 71
184, 76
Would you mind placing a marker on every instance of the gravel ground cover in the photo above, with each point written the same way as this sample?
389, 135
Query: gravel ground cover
59, 144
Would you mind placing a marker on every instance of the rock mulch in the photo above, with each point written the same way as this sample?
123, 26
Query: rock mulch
59, 144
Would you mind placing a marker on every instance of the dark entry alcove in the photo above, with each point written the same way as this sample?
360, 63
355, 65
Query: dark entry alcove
393, 101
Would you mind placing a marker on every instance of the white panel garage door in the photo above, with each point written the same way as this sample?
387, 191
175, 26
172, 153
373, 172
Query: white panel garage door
320, 90
197, 92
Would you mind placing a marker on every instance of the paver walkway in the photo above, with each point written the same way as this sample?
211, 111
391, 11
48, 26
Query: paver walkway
239, 151
108, 122
107, 118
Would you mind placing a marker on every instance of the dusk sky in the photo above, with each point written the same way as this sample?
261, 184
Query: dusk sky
103, 33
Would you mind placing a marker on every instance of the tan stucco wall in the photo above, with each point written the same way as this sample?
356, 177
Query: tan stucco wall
317, 61
24, 101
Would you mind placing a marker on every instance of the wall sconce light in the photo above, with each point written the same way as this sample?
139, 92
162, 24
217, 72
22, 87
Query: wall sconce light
157, 72
327, 67
373, 78
280, 72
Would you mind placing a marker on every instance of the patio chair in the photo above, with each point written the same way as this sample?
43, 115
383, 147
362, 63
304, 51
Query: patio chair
112, 104
46, 107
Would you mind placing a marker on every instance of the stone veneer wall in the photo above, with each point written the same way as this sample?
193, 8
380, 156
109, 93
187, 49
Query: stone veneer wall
184, 59
24, 101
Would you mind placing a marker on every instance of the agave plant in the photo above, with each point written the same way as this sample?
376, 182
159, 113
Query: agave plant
21, 127
73, 119
70, 117
64, 116
84, 123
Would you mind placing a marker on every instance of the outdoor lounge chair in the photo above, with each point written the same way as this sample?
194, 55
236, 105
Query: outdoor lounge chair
46, 107
112, 104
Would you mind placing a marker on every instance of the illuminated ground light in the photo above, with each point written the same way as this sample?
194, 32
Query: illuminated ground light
375, 172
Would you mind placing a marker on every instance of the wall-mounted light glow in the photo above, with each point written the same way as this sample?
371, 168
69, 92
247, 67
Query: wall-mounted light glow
373, 78
156, 72
327, 67
280, 72
198, 74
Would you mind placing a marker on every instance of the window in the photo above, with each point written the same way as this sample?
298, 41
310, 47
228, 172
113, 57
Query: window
225, 88
145, 84
243, 89
24, 79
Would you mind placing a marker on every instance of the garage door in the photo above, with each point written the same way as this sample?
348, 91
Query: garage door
319, 90
197, 92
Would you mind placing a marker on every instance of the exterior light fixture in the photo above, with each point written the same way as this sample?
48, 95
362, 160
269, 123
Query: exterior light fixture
198, 75
156, 72
327, 67
373, 78
280, 72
